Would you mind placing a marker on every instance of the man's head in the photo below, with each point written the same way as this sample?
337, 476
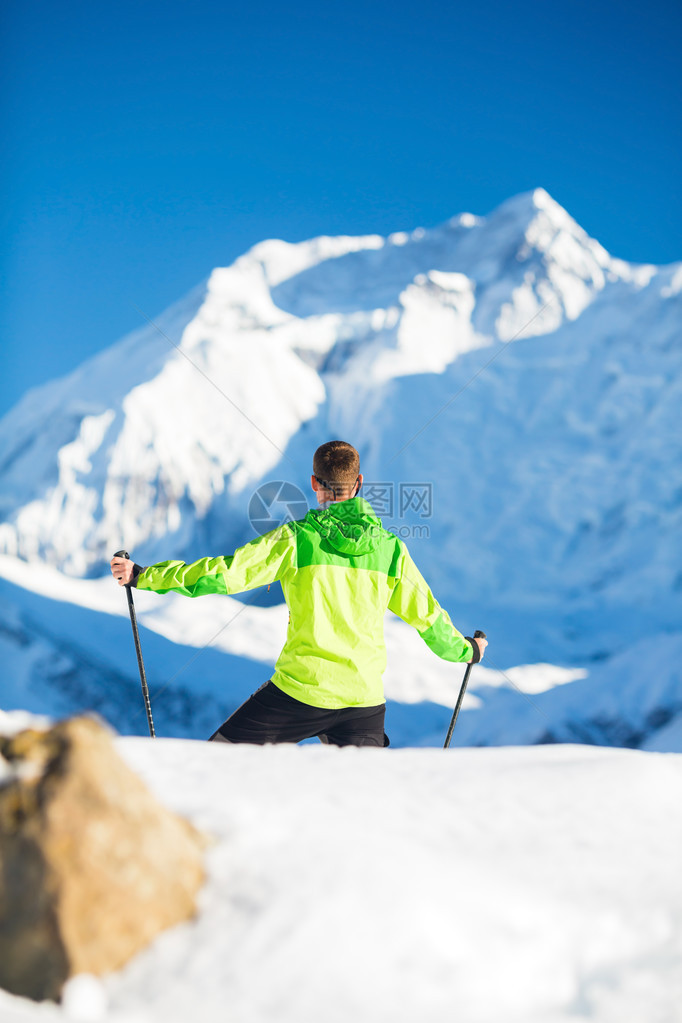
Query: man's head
336, 472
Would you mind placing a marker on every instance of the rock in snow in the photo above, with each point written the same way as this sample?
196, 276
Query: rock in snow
92, 867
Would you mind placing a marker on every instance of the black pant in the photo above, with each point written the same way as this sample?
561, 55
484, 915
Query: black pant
272, 716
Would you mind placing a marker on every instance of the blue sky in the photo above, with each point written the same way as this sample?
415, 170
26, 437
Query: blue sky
146, 144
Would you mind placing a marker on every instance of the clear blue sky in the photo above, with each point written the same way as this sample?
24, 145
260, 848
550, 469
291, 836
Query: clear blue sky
146, 143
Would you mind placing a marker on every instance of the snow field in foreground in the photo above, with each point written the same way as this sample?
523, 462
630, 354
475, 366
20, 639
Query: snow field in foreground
517, 884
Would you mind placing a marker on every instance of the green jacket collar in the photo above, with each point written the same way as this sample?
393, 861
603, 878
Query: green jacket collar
351, 527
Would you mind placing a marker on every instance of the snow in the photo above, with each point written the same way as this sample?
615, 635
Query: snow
532, 885
84, 998
16, 721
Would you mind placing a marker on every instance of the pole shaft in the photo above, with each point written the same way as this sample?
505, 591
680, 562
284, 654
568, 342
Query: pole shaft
460, 698
140, 662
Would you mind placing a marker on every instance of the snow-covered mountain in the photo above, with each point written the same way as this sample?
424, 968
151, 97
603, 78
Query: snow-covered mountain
513, 389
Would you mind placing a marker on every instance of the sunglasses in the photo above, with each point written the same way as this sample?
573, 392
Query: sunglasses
330, 487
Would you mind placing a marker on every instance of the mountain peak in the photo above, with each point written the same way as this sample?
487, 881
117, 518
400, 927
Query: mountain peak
528, 206
544, 201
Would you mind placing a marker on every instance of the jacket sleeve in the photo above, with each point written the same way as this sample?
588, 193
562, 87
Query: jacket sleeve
413, 601
264, 560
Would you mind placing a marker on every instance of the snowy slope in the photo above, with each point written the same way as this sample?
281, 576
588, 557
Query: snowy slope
525, 885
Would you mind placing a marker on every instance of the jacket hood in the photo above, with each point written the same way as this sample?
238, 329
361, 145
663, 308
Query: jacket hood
351, 527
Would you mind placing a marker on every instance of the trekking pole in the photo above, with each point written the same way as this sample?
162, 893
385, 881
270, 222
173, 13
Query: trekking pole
477, 635
138, 649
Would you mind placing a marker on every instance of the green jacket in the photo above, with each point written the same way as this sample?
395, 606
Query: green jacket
340, 570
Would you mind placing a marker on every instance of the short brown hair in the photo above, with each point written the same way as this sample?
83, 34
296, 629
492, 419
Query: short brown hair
336, 462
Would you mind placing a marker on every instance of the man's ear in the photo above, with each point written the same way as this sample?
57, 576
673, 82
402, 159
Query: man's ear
314, 484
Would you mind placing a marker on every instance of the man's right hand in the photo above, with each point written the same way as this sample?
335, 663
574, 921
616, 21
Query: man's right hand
122, 570
479, 643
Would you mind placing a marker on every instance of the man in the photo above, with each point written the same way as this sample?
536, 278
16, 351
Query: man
340, 570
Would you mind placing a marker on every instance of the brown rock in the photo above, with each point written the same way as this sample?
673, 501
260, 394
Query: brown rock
92, 867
